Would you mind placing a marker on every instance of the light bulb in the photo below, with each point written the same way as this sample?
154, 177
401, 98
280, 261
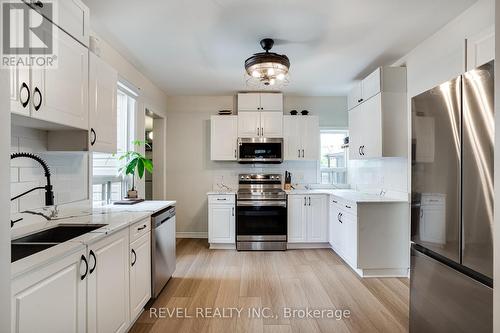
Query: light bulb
255, 73
272, 81
270, 71
280, 76
150, 135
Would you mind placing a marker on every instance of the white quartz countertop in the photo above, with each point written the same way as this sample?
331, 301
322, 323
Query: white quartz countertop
221, 193
115, 217
354, 196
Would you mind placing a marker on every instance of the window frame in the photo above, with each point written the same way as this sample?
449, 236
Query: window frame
344, 170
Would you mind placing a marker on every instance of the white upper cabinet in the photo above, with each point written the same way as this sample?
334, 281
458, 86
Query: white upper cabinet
249, 102
260, 102
223, 138
301, 138
271, 124
70, 15
61, 95
383, 79
248, 124
354, 96
481, 48
377, 125
271, 102
52, 297
103, 81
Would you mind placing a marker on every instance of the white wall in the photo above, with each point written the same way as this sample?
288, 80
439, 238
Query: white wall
4, 203
190, 173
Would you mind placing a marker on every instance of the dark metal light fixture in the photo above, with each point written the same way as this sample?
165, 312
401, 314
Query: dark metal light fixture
267, 68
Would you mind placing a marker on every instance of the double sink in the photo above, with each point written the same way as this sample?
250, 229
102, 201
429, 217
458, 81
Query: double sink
39, 241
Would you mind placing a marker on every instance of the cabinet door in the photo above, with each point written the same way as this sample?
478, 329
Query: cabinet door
297, 228
103, 81
140, 274
224, 137
356, 125
60, 95
481, 48
350, 238
370, 86
354, 97
371, 117
249, 102
335, 231
271, 124
221, 222
271, 102
51, 298
317, 218
291, 138
310, 138
19, 75
108, 284
248, 124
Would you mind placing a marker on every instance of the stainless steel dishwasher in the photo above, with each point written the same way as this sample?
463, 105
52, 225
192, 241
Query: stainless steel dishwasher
162, 249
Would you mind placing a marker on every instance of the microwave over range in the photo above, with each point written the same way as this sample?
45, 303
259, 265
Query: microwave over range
260, 150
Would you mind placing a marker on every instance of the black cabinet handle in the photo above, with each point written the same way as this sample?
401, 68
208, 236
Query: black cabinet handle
334, 201
232, 209
24, 86
309, 201
86, 267
262, 131
94, 137
38, 4
305, 201
363, 150
235, 156
359, 150
347, 206
37, 107
135, 257
299, 153
302, 153
360, 100
142, 228
92, 254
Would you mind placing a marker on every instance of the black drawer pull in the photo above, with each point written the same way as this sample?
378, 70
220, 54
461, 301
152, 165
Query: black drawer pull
135, 257
92, 254
142, 228
86, 267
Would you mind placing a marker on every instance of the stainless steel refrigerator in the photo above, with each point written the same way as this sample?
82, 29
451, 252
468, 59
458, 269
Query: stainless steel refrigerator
451, 276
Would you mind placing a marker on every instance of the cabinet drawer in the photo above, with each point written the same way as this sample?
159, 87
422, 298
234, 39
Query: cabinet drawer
221, 199
140, 228
344, 205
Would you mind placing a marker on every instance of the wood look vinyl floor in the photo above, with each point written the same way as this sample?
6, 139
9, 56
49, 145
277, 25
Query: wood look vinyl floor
273, 283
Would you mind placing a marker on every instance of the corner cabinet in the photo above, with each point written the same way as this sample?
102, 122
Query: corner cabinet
375, 120
52, 298
103, 80
221, 220
223, 138
307, 218
301, 138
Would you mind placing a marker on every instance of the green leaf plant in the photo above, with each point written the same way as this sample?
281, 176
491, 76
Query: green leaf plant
135, 163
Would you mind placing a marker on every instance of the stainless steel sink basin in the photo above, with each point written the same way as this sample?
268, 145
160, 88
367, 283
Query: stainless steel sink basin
39, 241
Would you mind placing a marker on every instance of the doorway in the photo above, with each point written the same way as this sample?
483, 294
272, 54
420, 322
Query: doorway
154, 126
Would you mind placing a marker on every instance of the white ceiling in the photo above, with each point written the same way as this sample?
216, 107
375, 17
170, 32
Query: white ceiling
199, 46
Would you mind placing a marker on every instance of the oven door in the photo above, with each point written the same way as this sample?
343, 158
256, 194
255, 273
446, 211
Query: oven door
260, 150
265, 221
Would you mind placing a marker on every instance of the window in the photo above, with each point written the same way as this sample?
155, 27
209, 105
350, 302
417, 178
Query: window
108, 184
333, 163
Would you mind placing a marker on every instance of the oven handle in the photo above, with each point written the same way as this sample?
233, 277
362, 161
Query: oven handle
261, 203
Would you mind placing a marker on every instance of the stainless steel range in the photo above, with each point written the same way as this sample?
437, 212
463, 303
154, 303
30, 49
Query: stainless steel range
261, 222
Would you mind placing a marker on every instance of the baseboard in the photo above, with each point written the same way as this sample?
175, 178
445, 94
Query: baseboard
296, 246
217, 246
191, 234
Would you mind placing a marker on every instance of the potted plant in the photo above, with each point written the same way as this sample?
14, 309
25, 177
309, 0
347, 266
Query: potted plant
135, 163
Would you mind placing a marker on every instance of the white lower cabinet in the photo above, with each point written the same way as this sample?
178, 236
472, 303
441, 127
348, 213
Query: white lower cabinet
372, 238
52, 298
108, 284
140, 274
307, 218
221, 219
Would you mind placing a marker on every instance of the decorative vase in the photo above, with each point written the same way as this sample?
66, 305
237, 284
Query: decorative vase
132, 194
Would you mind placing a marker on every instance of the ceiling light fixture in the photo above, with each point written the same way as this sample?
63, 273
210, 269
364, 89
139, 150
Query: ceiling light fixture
267, 68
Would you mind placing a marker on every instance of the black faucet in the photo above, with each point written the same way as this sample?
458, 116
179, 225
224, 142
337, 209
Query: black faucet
49, 194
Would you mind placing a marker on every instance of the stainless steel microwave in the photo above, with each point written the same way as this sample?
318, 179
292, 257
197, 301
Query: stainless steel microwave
260, 150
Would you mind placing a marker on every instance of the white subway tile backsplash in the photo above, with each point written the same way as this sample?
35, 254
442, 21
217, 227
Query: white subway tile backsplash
69, 171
